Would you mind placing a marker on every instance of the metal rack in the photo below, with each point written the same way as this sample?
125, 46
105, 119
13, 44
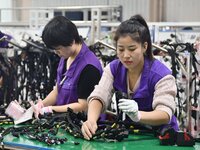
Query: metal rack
35, 18
186, 70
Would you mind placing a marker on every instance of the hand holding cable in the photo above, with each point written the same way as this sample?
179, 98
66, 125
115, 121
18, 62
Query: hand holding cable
47, 109
88, 129
130, 107
37, 107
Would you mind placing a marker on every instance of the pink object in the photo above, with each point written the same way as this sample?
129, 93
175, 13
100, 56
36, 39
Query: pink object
14, 110
47, 109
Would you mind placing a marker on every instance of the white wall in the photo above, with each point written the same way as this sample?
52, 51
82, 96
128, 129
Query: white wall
182, 10
6, 15
173, 10
130, 7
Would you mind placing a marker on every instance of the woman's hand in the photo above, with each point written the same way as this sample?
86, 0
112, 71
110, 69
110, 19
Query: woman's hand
88, 129
130, 107
47, 109
37, 108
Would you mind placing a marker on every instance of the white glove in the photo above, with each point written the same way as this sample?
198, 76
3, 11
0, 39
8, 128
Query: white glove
130, 107
47, 109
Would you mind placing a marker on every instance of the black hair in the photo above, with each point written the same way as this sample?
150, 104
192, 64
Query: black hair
137, 28
60, 31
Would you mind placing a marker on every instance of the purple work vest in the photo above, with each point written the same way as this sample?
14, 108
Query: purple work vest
152, 72
4, 43
67, 81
